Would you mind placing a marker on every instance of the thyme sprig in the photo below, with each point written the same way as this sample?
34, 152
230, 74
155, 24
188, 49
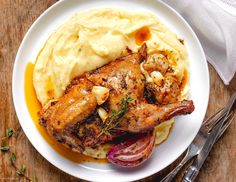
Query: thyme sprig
22, 170
116, 115
9, 133
4, 148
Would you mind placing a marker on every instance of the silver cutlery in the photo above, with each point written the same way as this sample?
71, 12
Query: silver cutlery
198, 143
193, 170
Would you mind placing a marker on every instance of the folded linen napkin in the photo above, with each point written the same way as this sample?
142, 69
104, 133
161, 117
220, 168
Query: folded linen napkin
214, 22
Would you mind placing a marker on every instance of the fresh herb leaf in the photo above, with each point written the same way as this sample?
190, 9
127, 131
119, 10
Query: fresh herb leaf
130, 99
115, 118
21, 172
18, 172
4, 148
12, 157
23, 168
113, 112
9, 132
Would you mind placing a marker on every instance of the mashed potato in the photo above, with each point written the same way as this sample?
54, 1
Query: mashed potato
89, 40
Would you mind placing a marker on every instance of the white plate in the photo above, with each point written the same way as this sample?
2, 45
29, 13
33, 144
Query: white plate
185, 128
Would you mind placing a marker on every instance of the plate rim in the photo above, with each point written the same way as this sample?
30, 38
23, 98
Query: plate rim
14, 85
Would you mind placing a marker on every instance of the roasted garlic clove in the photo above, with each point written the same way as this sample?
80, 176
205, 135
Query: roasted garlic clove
101, 94
102, 113
157, 77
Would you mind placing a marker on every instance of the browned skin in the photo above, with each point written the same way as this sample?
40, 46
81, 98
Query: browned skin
80, 126
146, 116
71, 109
169, 89
156, 62
167, 92
123, 77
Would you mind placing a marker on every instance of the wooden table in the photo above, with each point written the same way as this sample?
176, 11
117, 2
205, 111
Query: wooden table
16, 17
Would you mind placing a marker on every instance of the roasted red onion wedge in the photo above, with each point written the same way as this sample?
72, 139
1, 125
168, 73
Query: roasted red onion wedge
132, 152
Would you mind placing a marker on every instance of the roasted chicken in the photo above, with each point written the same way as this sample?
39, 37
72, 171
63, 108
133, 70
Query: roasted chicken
73, 120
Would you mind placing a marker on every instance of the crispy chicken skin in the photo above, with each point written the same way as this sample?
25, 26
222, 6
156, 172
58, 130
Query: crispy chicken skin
168, 89
156, 62
123, 77
73, 120
145, 117
71, 108
167, 92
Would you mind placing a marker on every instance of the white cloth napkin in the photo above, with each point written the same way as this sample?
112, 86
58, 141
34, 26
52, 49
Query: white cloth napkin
214, 22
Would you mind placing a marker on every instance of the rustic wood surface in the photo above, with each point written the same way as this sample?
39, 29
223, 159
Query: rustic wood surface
16, 17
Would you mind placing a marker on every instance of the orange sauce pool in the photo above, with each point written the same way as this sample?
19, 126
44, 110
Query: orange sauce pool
184, 80
34, 107
142, 35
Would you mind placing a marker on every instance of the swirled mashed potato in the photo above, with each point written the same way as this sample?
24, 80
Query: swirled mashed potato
91, 39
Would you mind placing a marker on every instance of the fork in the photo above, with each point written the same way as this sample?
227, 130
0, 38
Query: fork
193, 170
194, 148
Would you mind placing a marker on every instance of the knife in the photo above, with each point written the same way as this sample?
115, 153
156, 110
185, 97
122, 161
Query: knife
193, 170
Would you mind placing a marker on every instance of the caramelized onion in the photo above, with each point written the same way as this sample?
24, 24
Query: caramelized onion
132, 152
